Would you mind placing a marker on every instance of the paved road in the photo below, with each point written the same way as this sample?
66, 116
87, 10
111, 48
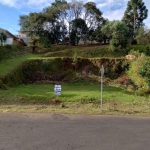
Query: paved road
73, 132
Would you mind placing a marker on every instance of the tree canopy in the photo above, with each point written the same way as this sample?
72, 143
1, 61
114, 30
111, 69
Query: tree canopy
61, 19
134, 15
116, 32
77, 20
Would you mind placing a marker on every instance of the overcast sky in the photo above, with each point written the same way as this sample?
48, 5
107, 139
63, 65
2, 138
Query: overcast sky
10, 10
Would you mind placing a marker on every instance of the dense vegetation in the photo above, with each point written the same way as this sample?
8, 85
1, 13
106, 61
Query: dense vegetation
76, 64
30, 78
68, 48
74, 22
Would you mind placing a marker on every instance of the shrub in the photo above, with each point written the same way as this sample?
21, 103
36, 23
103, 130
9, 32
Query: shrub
144, 70
44, 43
136, 53
139, 73
134, 41
147, 51
8, 46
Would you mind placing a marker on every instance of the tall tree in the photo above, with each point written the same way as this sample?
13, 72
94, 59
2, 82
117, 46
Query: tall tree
93, 16
78, 30
134, 15
50, 23
117, 32
143, 36
74, 11
57, 26
55, 21
76, 8
32, 24
106, 31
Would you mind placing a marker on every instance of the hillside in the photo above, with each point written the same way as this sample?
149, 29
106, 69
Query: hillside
30, 79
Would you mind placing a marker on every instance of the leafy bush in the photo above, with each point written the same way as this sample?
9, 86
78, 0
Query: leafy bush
147, 51
114, 42
134, 41
8, 46
139, 73
11, 51
45, 42
145, 69
136, 53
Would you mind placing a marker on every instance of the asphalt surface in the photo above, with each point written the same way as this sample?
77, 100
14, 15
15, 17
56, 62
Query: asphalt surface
73, 132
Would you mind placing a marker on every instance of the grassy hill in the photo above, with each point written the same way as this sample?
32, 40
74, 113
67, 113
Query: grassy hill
81, 95
15, 58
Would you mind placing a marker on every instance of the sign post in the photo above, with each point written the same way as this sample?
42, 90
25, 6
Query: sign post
57, 90
102, 75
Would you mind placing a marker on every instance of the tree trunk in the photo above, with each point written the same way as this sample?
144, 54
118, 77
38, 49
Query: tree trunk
33, 49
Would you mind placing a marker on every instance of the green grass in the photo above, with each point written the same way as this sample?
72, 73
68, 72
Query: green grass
13, 51
77, 98
8, 65
84, 52
88, 51
140, 48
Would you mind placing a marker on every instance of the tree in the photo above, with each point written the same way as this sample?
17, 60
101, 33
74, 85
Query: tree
34, 43
24, 22
60, 8
139, 73
106, 30
93, 16
32, 24
143, 36
3, 37
93, 19
117, 32
61, 18
134, 15
76, 9
48, 24
78, 30
120, 32
54, 24
100, 36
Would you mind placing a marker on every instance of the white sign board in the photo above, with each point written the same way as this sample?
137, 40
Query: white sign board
57, 90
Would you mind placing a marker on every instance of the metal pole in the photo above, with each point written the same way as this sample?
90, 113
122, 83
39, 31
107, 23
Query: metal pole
101, 92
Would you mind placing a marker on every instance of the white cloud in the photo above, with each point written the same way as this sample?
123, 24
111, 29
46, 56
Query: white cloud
111, 9
39, 3
114, 9
26, 3
11, 3
102, 5
114, 15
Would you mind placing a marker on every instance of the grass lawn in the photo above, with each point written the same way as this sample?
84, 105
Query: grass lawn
74, 99
8, 65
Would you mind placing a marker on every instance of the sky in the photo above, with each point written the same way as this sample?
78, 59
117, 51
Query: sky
11, 10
